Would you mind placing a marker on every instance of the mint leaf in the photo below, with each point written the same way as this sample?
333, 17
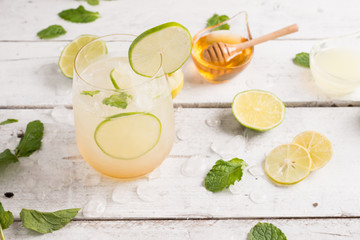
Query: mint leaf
10, 120
118, 100
31, 141
79, 15
223, 174
52, 31
266, 231
302, 59
90, 93
215, 19
6, 218
93, 2
47, 222
6, 157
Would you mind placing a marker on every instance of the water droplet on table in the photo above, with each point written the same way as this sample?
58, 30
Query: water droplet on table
149, 192
95, 207
63, 115
213, 122
183, 133
156, 173
194, 166
256, 170
236, 188
257, 197
122, 193
231, 148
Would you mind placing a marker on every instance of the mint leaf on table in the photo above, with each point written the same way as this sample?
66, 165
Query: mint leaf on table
31, 141
47, 222
224, 173
302, 59
118, 100
90, 93
6, 218
216, 19
79, 15
266, 231
6, 157
93, 2
10, 120
52, 31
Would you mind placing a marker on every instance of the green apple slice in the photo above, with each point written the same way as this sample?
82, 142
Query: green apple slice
168, 44
128, 135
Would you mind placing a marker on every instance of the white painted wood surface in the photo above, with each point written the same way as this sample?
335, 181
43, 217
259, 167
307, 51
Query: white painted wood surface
30, 79
34, 66
57, 177
319, 229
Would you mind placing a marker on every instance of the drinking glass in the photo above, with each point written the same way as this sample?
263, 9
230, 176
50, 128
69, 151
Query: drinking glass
124, 122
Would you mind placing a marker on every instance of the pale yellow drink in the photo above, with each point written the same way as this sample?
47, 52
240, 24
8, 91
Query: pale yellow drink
117, 140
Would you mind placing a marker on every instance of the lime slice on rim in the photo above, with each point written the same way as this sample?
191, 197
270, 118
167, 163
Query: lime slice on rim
318, 145
128, 135
258, 110
169, 44
68, 54
288, 164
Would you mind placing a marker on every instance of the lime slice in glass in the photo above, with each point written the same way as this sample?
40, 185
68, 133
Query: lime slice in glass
176, 82
128, 135
67, 57
258, 110
169, 44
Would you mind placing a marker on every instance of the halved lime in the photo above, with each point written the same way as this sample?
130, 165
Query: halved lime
67, 57
128, 135
169, 44
258, 110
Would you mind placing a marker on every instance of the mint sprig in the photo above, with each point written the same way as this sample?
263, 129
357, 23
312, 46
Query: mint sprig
47, 222
8, 121
31, 141
52, 31
216, 19
6, 219
79, 15
6, 157
224, 173
93, 2
266, 231
90, 93
119, 100
302, 59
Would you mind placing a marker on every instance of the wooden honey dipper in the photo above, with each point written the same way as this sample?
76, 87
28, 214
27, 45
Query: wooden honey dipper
220, 53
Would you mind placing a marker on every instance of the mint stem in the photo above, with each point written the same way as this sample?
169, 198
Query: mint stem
2, 237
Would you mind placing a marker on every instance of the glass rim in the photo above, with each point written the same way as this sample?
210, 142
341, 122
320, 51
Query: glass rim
314, 64
102, 89
196, 37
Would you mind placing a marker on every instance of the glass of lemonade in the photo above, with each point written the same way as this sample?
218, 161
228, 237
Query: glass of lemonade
124, 122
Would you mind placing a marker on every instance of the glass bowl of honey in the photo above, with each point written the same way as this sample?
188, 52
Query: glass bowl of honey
232, 31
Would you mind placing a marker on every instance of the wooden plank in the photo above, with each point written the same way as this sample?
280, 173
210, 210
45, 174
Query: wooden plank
29, 68
320, 229
317, 19
57, 177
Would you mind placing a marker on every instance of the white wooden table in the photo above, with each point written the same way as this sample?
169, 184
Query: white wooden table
324, 206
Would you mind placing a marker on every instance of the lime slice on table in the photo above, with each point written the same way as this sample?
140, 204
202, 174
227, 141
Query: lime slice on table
318, 146
169, 44
258, 110
128, 135
67, 57
288, 164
